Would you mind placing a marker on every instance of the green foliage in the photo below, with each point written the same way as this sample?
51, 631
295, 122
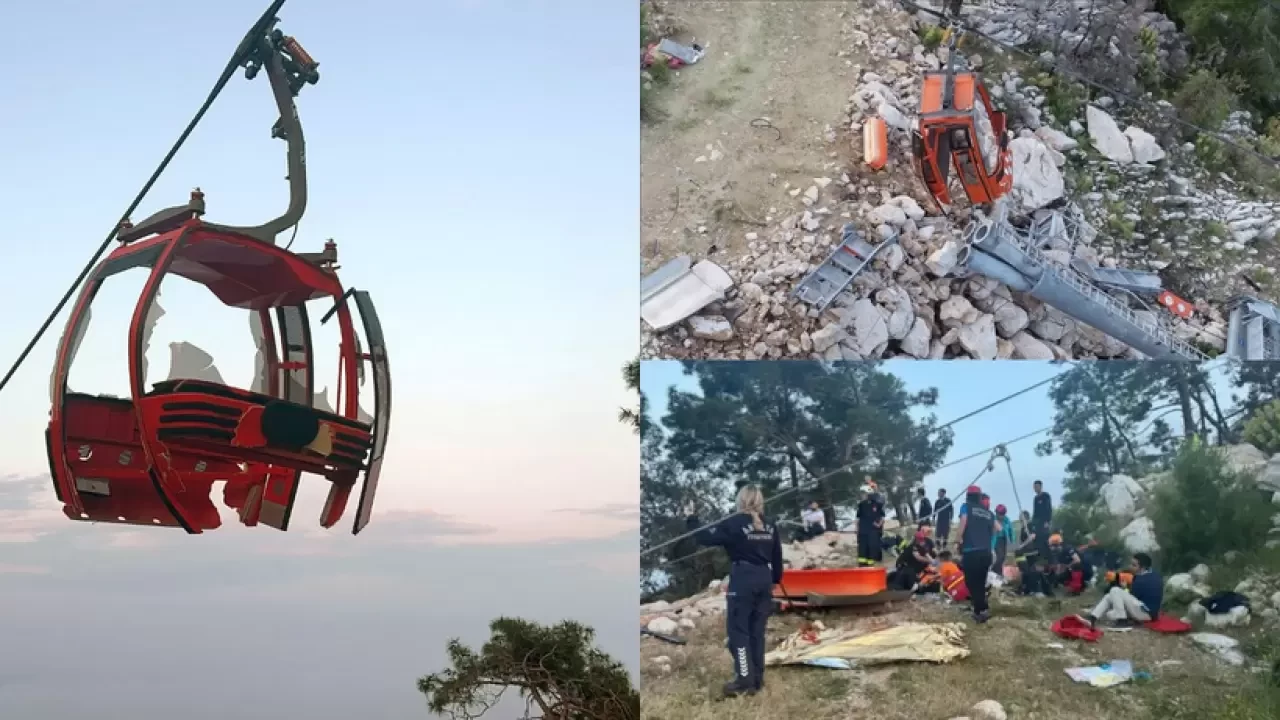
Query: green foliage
1270, 142
1237, 38
1205, 99
646, 35
1062, 97
1148, 59
660, 72
1205, 510
631, 379
931, 36
556, 670
1262, 430
1079, 522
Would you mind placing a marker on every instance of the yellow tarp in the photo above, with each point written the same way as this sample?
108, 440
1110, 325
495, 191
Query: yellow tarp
909, 642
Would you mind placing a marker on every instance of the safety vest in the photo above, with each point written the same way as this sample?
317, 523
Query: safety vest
1123, 578
953, 582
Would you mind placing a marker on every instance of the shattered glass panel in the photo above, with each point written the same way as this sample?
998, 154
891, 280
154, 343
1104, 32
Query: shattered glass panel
985, 134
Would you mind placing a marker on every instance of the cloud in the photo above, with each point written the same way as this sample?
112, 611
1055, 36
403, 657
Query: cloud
6, 569
616, 510
28, 509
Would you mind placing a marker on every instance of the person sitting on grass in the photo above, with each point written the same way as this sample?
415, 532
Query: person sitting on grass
1139, 604
1065, 566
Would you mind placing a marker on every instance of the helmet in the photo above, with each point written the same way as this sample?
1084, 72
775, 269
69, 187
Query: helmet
974, 490
1001, 510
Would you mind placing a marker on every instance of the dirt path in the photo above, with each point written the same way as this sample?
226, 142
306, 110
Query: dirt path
760, 110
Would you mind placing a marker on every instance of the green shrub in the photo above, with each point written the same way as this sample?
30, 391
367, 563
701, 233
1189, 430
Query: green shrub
931, 37
1079, 522
1205, 99
1263, 429
1203, 510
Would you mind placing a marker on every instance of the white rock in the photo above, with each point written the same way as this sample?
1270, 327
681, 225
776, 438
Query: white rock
944, 260
1244, 458
989, 710
1036, 178
663, 626
827, 336
910, 207
1269, 475
1275, 599
867, 324
1144, 146
1056, 139
1224, 647
1140, 536
979, 338
916, 343
1027, 347
1200, 572
888, 214
711, 327
893, 117
1119, 499
1107, 137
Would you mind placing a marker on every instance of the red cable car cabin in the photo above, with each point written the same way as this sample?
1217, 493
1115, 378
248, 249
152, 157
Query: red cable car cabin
152, 459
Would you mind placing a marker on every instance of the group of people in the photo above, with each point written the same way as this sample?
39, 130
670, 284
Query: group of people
925, 563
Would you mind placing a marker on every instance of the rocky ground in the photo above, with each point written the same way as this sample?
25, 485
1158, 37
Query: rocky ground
1150, 205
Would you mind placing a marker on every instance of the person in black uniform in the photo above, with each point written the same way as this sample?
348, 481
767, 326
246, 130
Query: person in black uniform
755, 551
926, 508
870, 527
1041, 517
977, 533
944, 512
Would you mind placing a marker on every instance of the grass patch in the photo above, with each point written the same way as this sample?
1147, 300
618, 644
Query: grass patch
718, 99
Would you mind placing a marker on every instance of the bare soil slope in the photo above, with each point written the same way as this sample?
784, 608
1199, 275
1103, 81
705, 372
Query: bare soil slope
754, 114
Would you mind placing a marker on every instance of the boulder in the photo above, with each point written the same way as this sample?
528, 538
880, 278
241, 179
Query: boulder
1120, 494
1036, 178
1244, 458
663, 626
1144, 146
989, 710
1140, 536
1184, 588
1106, 136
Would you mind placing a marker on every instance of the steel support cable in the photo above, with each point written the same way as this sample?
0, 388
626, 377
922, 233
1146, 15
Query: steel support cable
258, 29
701, 551
1217, 135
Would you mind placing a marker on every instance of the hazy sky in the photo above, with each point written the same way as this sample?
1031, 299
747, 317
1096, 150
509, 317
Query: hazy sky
476, 162
962, 388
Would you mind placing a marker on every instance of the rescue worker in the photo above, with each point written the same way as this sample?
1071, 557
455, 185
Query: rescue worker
870, 528
1032, 567
755, 551
977, 533
951, 577
1065, 566
1003, 539
925, 510
943, 512
1041, 516
912, 563
814, 521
